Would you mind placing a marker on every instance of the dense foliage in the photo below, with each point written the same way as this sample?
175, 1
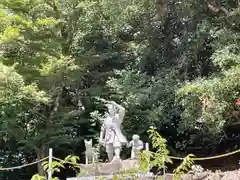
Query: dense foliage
173, 64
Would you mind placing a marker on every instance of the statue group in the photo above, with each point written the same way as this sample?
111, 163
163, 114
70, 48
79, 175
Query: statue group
111, 136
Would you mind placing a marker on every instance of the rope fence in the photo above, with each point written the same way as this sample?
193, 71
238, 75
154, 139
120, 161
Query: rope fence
82, 165
22, 166
208, 158
68, 162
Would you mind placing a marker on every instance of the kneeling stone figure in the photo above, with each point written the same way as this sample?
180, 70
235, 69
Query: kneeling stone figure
137, 146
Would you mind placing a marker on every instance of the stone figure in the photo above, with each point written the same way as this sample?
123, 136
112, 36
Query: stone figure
90, 154
137, 146
111, 135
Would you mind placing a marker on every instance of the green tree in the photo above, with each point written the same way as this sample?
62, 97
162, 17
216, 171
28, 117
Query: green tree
194, 44
174, 65
34, 91
55, 50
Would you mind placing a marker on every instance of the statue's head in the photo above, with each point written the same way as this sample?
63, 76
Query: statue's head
135, 137
111, 109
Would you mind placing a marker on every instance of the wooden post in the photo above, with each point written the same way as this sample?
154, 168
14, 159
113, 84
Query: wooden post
147, 147
164, 170
50, 164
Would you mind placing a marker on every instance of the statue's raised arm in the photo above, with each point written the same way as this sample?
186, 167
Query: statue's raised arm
102, 134
121, 109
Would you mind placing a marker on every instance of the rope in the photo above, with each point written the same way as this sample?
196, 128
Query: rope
81, 165
68, 162
171, 157
208, 158
22, 166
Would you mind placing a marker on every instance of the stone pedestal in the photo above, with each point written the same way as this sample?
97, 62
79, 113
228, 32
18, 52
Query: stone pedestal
125, 168
110, 177
110, 168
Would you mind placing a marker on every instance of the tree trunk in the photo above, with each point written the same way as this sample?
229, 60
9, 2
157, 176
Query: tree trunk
41, 153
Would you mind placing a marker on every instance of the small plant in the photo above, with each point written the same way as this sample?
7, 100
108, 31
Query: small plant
38, 177
56, 166
183, 167
144, 163
159, 158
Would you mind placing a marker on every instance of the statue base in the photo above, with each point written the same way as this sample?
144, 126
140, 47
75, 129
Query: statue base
111, 177
127, 169
111, 168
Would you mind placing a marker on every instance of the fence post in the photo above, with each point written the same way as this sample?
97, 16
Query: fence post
147, 147
164, 170
50, 164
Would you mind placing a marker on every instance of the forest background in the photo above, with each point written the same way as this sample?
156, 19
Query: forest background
173, 64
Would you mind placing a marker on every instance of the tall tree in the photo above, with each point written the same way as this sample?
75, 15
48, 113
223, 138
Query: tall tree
59, 49
37, 41
185, 44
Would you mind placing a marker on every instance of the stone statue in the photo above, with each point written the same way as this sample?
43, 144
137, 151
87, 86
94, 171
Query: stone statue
90, 154
111, 135
137, 146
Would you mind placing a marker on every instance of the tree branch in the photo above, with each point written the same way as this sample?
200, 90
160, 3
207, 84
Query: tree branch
212, 6
56, 103
73, 114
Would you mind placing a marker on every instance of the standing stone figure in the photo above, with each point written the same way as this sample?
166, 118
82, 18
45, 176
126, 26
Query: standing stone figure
137, 146
111, 135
